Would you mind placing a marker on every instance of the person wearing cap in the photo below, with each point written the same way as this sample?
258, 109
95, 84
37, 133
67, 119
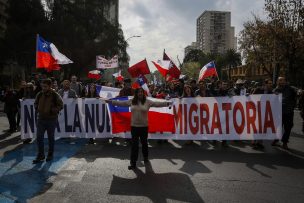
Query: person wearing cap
140, 106
238, 89
127, 89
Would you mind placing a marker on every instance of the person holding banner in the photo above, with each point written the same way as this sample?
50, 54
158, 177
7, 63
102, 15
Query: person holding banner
66, 92
289, 100
140, 106
48, 104
265, 89
92, 93
187, 92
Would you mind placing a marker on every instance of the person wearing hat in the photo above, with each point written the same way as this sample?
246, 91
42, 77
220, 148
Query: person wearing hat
238, 89
140, 106
127, 89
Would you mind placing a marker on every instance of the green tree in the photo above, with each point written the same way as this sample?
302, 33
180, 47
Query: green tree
83, 32
191, 69
26, 19
277, 42
232, 59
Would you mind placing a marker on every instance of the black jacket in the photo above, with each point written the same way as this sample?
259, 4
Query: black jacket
289, 98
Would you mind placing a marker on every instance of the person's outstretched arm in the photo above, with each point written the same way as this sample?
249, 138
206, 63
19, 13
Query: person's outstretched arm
119, 103
159, 103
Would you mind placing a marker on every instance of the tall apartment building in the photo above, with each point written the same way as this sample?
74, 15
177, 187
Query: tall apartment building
3, 17
214, 33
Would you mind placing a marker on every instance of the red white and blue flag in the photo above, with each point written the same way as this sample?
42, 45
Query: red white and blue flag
118, 76
48, 56
141, 82
121, 118
173, 72
94, 74
207, 71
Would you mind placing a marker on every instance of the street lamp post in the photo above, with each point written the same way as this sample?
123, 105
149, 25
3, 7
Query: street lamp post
132, 37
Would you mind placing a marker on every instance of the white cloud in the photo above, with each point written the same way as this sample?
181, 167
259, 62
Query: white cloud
171, 24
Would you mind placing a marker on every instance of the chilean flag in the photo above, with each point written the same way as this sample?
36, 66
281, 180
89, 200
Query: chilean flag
121, 118
48, 56
118, 76
174, 71
207, 71
140, 68
163, 67
141, 82
94, 74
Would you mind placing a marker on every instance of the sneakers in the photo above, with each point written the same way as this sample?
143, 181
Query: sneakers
39, 159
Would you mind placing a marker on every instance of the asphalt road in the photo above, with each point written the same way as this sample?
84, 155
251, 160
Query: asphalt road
202, 172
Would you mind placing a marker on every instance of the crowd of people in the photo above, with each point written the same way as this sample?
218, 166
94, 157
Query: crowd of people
180, 88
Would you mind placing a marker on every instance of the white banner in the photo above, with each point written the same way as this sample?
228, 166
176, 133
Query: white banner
210, 118
224, 118
103, 63
84, 118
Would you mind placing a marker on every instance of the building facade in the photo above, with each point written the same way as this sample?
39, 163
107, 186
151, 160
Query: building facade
191, 47
3, 17
214, 33
247, 72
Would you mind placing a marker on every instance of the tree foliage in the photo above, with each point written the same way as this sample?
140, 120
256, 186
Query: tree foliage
277, 42
78, 28
196, 59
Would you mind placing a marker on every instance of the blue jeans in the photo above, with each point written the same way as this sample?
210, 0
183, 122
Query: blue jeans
48, 126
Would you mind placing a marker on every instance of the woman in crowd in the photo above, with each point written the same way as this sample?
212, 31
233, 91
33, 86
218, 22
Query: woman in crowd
187, 92
140, 106
92, 93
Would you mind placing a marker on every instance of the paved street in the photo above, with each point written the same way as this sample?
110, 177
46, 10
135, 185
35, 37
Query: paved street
202, 172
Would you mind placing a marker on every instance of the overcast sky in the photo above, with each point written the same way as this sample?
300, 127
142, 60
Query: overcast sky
171, 24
